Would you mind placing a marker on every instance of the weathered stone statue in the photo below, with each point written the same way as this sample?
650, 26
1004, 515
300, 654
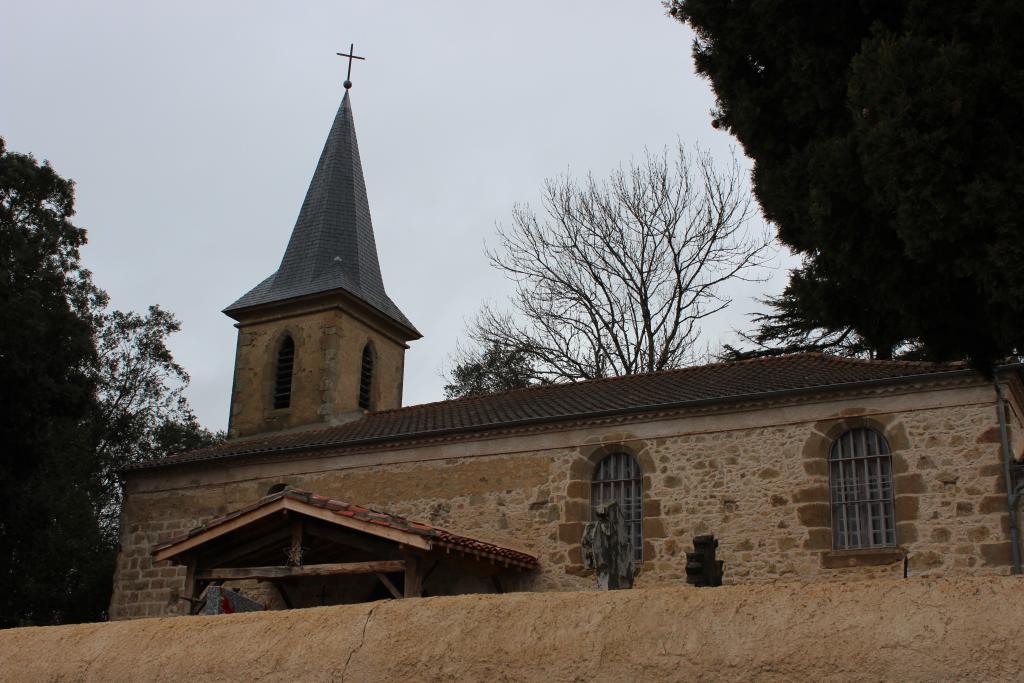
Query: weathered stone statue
607, 548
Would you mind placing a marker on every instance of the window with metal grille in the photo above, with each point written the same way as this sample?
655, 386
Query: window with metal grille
366, 378
283, 373
860, 477
618, 477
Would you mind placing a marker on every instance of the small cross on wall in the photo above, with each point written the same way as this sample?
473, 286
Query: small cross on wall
351, 55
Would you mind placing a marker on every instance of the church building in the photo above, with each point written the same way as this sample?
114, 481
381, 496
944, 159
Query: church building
329, 491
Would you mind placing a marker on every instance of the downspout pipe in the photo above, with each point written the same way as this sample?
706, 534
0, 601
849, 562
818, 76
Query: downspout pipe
1012, 496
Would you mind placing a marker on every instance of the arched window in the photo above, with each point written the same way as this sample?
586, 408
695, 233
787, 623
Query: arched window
283, 373
860, 477
617, 477
366, 378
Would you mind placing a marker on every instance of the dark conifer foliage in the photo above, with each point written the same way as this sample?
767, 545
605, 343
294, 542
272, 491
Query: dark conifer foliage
54, 565
83, 392
490, 371
887, 142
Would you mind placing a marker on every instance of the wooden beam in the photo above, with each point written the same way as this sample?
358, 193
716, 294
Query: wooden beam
242, 549
389, 585
397, 535
283, 572
408, 538
413, 576
217, 531
295, 552
190, 584
350, 539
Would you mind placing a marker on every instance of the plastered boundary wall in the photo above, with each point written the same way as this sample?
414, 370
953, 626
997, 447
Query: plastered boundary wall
883, 629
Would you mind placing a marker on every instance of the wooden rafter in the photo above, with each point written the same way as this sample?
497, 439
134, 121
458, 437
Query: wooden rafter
389, 585
408, 538
349, 539
224, 555
289, 505
219, 530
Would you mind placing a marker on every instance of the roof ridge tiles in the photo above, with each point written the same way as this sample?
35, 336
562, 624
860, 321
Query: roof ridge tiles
723, 381
657, 373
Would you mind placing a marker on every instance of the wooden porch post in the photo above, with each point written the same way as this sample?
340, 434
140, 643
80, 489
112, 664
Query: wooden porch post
413, 575
295, 553
190, 585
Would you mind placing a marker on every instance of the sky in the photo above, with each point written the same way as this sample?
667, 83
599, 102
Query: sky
192, 130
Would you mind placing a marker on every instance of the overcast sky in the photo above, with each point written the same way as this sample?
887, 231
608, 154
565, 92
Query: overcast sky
192, 130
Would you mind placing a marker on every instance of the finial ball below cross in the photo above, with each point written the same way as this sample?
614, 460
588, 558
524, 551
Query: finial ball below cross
351, 55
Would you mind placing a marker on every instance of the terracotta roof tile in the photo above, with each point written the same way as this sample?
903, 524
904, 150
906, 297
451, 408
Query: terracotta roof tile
720, 382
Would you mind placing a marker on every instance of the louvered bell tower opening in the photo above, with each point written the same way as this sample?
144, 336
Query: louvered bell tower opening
366, 378
283, 375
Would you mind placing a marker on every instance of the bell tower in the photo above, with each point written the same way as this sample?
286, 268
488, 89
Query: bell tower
319, 341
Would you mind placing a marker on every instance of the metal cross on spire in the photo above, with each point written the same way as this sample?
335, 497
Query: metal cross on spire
351, 55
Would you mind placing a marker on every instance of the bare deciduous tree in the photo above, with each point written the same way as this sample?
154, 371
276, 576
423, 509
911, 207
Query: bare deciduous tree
618, 275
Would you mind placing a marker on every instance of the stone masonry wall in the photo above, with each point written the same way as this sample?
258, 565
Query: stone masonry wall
762, 490
328, 359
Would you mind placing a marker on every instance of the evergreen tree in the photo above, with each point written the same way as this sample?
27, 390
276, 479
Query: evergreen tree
886, 142
489, 371
54, 563
83, 392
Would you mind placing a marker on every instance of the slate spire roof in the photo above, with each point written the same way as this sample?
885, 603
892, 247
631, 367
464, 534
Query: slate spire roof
332, 245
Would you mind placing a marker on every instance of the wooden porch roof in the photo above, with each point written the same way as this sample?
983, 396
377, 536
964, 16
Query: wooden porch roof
349, 517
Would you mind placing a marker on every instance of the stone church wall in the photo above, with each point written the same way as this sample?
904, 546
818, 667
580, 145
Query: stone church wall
756, 478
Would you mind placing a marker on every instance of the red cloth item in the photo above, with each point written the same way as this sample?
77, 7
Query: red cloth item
225, 605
